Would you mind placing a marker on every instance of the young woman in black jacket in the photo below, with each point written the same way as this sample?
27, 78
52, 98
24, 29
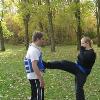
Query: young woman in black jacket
81, 69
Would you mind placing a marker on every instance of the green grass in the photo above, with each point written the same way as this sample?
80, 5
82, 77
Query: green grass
59, 85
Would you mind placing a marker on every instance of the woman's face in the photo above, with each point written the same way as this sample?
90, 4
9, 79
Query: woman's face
83, 43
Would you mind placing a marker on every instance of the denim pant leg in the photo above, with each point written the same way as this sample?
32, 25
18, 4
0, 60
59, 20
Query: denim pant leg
80, 80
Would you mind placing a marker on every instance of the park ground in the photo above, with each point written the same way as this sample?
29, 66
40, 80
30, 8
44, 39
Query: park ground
59, 85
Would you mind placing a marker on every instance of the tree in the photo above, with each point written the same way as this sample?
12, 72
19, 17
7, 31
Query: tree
50, 24
26, 17
40, 23
98, 21
1, 30
26, 21
78, 21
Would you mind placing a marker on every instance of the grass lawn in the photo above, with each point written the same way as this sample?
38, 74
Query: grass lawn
59, 84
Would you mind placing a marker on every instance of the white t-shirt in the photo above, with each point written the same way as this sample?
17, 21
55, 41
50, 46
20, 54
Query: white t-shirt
33, 53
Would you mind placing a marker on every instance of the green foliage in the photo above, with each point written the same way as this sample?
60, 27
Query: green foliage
90, 34
88, 7
26, 7
64, 20
6, 32
13, 28
59, 85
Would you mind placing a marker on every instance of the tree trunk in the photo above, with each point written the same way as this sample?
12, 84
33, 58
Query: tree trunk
78, 21
40, 23
26, 18
2, 47
15, 39
40, 26
98, 22
26, 21
51, 31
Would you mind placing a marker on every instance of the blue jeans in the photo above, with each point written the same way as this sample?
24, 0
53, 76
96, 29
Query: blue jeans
80, 77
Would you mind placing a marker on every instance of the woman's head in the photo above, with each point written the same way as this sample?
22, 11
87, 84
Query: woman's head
86, 42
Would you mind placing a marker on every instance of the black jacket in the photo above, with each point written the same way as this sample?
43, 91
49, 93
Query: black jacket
86, 58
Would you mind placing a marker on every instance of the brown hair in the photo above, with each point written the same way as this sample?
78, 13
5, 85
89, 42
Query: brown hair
37, 35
